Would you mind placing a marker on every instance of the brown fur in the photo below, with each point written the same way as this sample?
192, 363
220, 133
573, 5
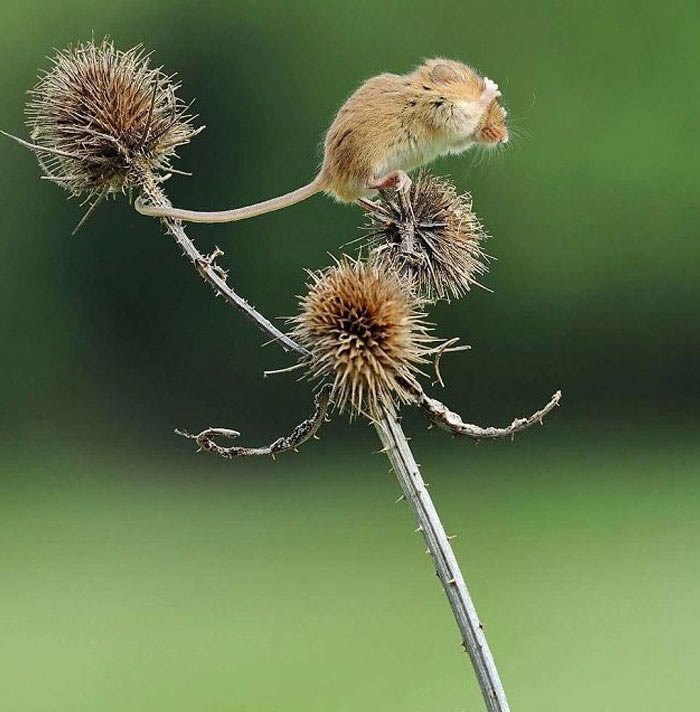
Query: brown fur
401, 121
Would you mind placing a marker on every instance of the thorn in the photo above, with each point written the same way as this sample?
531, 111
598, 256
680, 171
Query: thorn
296, 449
420, 529
316, 437
400, 499
452, 581
481, 626
451, 537
427, 551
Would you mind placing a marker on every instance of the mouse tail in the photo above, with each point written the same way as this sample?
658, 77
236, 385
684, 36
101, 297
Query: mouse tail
224, 216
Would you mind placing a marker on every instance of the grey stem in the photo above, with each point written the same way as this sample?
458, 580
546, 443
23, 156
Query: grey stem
211, 272
414, 490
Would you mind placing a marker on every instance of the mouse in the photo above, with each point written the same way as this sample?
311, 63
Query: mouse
391, 124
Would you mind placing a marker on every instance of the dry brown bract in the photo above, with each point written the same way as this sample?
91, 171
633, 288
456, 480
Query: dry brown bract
365, 334
100, 117
430, 237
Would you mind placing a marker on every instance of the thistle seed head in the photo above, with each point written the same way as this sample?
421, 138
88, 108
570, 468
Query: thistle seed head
365, 334
101, 118
430, 237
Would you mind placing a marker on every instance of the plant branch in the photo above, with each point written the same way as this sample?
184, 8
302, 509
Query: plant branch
399, 453
303, 432
446, 567
211, 273
452, 422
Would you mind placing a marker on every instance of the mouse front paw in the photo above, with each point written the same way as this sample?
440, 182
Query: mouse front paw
491, 92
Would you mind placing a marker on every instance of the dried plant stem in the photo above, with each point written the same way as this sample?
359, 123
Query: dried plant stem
452, 422
210, 272
414, 490
307, 429
397, 449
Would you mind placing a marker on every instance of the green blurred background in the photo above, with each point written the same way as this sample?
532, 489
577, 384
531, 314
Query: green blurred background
136, 576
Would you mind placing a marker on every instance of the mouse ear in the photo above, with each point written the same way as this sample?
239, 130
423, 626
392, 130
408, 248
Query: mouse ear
444, 73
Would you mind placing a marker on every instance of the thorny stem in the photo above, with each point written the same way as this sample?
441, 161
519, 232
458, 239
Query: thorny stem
414, 490
210, 272
397, 449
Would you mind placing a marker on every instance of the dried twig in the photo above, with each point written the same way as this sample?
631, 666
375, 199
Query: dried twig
447, 347
303, 432
450, 421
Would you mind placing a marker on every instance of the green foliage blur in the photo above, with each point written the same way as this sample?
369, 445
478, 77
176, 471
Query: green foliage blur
136, 576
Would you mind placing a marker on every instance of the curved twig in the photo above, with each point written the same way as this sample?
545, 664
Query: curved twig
303, 432
444, 348
452, 422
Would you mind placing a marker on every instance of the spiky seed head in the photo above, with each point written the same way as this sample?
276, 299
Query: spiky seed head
104, 116
431, 237
365, 334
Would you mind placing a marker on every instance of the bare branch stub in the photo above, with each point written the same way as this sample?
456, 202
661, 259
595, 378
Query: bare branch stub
307, 429
452, 422
447, 347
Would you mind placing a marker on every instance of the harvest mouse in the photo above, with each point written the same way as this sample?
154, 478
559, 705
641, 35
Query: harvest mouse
389, 125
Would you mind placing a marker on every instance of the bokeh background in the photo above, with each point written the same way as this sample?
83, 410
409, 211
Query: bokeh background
137, 576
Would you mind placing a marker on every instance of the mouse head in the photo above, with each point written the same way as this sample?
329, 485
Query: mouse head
461, 104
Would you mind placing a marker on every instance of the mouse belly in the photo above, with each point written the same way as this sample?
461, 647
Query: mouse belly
349, 187
410, 156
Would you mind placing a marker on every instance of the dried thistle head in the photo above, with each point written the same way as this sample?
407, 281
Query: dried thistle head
430, 237
365, 334
102, 118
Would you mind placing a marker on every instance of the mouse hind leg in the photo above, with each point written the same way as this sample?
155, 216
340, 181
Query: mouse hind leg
397, 180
